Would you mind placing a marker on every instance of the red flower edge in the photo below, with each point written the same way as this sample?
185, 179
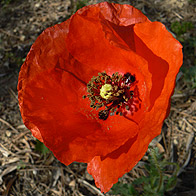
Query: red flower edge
64, 58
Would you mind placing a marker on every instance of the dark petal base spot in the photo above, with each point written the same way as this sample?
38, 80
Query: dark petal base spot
103, 114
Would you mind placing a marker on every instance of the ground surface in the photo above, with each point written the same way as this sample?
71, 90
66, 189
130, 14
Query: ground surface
23, 170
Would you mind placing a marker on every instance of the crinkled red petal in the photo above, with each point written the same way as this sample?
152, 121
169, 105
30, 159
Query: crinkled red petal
103, 37
91, 46
163, 53
53, 80
42, 56
155, 41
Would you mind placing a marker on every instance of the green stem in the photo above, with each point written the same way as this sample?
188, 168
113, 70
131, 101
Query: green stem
160, 172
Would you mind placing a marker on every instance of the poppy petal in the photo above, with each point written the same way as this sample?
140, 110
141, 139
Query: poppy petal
51, 106
106, 170
46, 102
163, 53
117, 21
64, 58
31, 67
90, 46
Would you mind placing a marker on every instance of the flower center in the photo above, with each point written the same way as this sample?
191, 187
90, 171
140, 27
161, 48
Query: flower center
116, 94
106, 91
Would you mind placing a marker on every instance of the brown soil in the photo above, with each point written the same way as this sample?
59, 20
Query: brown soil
23, 170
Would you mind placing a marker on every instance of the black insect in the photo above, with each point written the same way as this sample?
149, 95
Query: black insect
129, 78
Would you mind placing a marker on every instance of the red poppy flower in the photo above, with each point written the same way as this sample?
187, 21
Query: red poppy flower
96, 88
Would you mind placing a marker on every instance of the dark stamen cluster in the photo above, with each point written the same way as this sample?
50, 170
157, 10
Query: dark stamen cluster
123, 97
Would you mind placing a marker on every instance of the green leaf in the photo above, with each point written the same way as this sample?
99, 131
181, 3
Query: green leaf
181, 28
120, 188
40, 147
132, 191
171, 184
81, 4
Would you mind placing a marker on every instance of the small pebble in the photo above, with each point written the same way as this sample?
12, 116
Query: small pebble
22, 38
8, 133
